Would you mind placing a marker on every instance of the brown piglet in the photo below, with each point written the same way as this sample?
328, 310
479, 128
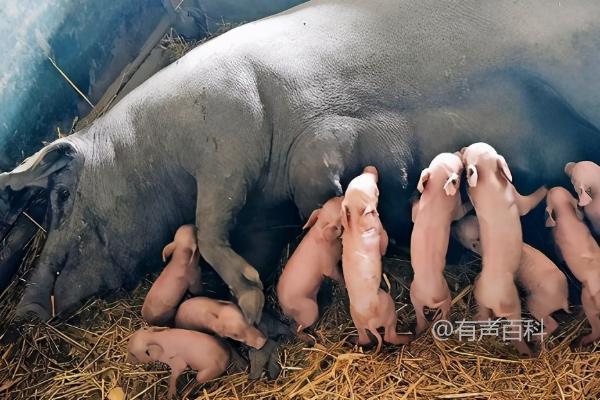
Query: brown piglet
579, 250
546, 286
439, 205
220, 317
317, 256
181, 274
364, 241
179, 349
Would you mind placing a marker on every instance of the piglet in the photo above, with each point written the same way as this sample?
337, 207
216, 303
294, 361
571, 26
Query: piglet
179, 349
585, 177
579, 250
546, 285
439, 205
181, 274
221, 317
364, 241
498, 207
316, 257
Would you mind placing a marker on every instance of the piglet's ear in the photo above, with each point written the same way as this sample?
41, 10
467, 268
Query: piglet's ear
425, 174
472, 175
168, 251
344, 216
503, 166
330, 232
312, 219
569, 168
451, 185
550, 222
584, 198
154, 351
578, 211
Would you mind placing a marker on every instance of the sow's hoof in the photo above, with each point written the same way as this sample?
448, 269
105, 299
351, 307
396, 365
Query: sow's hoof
265, 358
32, 312
251, 303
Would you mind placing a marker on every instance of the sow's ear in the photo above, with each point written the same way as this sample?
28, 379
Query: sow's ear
35, 170
503, 166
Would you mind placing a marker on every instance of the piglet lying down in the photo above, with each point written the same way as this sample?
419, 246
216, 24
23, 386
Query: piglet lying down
364, 241
544, 282
179, 349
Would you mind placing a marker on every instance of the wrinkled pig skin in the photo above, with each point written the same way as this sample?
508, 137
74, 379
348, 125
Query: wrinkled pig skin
179, 349
364, 241
317, 256
182, 274
585, 177
579, 250
220, 317
546, 286
440, 203
499, 207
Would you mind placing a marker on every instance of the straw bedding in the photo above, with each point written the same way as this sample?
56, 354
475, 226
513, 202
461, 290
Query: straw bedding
83, 356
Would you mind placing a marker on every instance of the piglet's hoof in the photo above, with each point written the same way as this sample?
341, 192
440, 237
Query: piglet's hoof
32, 312
588, 339
251, 303
353, 341
265, 358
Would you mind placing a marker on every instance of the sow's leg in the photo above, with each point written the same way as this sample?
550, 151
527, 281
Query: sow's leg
220, 198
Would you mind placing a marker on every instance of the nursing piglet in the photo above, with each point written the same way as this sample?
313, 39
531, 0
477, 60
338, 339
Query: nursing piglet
316, 257
547, 287
364, 241
221, 317
181, 274
179, 349
498, 207
579, 250
439, 205
585, 177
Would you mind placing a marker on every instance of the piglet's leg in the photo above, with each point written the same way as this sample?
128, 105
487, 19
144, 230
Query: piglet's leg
391, 320
592, 313
483, 313
418, 306
520, 344
335, 274
539, 312
177, 367
206, 374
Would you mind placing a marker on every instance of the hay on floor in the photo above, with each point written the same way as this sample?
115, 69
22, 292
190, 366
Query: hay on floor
83, 357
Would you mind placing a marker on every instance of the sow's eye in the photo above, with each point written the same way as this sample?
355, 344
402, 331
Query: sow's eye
60, 204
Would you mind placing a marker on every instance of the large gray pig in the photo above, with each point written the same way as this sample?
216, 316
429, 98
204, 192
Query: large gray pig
279, 114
